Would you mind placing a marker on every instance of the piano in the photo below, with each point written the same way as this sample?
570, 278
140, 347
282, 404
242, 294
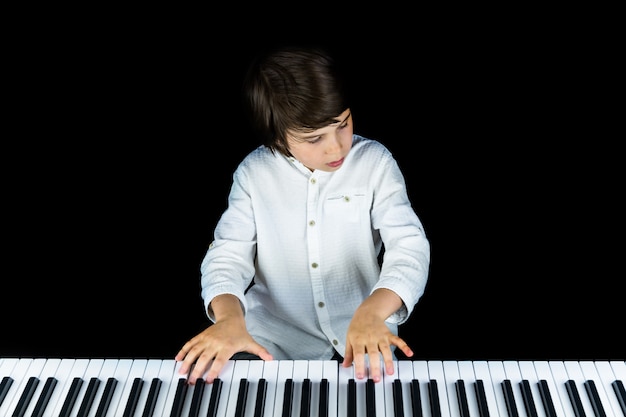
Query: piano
100, 387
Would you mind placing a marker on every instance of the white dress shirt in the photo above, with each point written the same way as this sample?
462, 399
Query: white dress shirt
309, 242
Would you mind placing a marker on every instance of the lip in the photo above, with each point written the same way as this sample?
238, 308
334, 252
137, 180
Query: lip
336, 164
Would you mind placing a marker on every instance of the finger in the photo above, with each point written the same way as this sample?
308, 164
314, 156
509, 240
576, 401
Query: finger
403, 346
388, 360
374, 366
347, 357
359, 365
261, 352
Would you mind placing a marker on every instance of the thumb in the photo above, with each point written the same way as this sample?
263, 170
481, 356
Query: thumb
261, 352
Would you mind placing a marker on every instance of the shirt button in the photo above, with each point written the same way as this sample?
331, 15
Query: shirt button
314, 265
312, 223
320, 304
335, 342
346, 199
313, 180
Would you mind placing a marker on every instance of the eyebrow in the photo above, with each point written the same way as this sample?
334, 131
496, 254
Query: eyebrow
337, 121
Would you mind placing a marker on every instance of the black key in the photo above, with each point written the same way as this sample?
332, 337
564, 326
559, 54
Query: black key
261, 393
216, 390
305, 403
196, 400
596, 403
288, 398
416, 398
242, 397
153, 395
527, 395
133, 397
618, 387
90, 394
44, 398
324, 388
433, 393
546, 397
68, 404
179, 398
574, 397
370, 398
461, 397
105, 401
6, 383
26, 396
483, 408
398, 405
509, 398
351, 398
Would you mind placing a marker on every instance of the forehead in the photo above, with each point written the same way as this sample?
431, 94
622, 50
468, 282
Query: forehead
301, 134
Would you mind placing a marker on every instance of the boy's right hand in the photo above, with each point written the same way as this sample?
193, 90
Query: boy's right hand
211, 349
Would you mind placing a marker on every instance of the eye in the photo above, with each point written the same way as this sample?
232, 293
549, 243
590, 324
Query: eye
314, 140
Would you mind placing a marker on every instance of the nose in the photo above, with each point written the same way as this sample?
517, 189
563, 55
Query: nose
333, 144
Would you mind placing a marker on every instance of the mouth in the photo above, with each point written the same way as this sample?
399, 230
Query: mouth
335, 164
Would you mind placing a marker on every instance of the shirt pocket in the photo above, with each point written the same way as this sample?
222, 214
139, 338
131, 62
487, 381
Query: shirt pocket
350, 206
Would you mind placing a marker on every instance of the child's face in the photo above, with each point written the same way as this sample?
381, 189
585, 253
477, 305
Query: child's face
325, 148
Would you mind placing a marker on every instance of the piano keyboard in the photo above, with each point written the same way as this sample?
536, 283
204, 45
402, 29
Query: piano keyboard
153, 388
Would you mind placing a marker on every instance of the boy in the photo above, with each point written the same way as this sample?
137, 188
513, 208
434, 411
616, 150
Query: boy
319, 253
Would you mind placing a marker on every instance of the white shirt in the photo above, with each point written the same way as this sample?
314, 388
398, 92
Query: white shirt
309, 241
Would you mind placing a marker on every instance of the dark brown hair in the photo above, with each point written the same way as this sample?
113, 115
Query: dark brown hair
293, 88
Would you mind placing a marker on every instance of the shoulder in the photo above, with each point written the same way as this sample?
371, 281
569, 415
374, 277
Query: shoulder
259, 158
370, 150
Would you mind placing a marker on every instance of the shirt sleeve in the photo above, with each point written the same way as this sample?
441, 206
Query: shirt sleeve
406, 257
228, 266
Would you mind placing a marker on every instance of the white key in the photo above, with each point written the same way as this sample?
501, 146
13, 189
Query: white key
467, 374
511, 369
315, 372
92, 371
379, 389
151, 371
544, 372
451, 374
255, 373
481, 371
17, 374
528, 372
240, 371
331, 373
560, 378
62, 374
300, 373
78, 370
619, 369
405, 374
590, 372
168, 372
34, 369
136, 370
285, 371
226, 375
574, 372
344, 375
388, 389
498, 375
420, 372
121, 375
607, 376
435, 371
49, 370
270, 374
106, 371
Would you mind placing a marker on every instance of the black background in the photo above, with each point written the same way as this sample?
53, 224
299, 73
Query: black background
120, 146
